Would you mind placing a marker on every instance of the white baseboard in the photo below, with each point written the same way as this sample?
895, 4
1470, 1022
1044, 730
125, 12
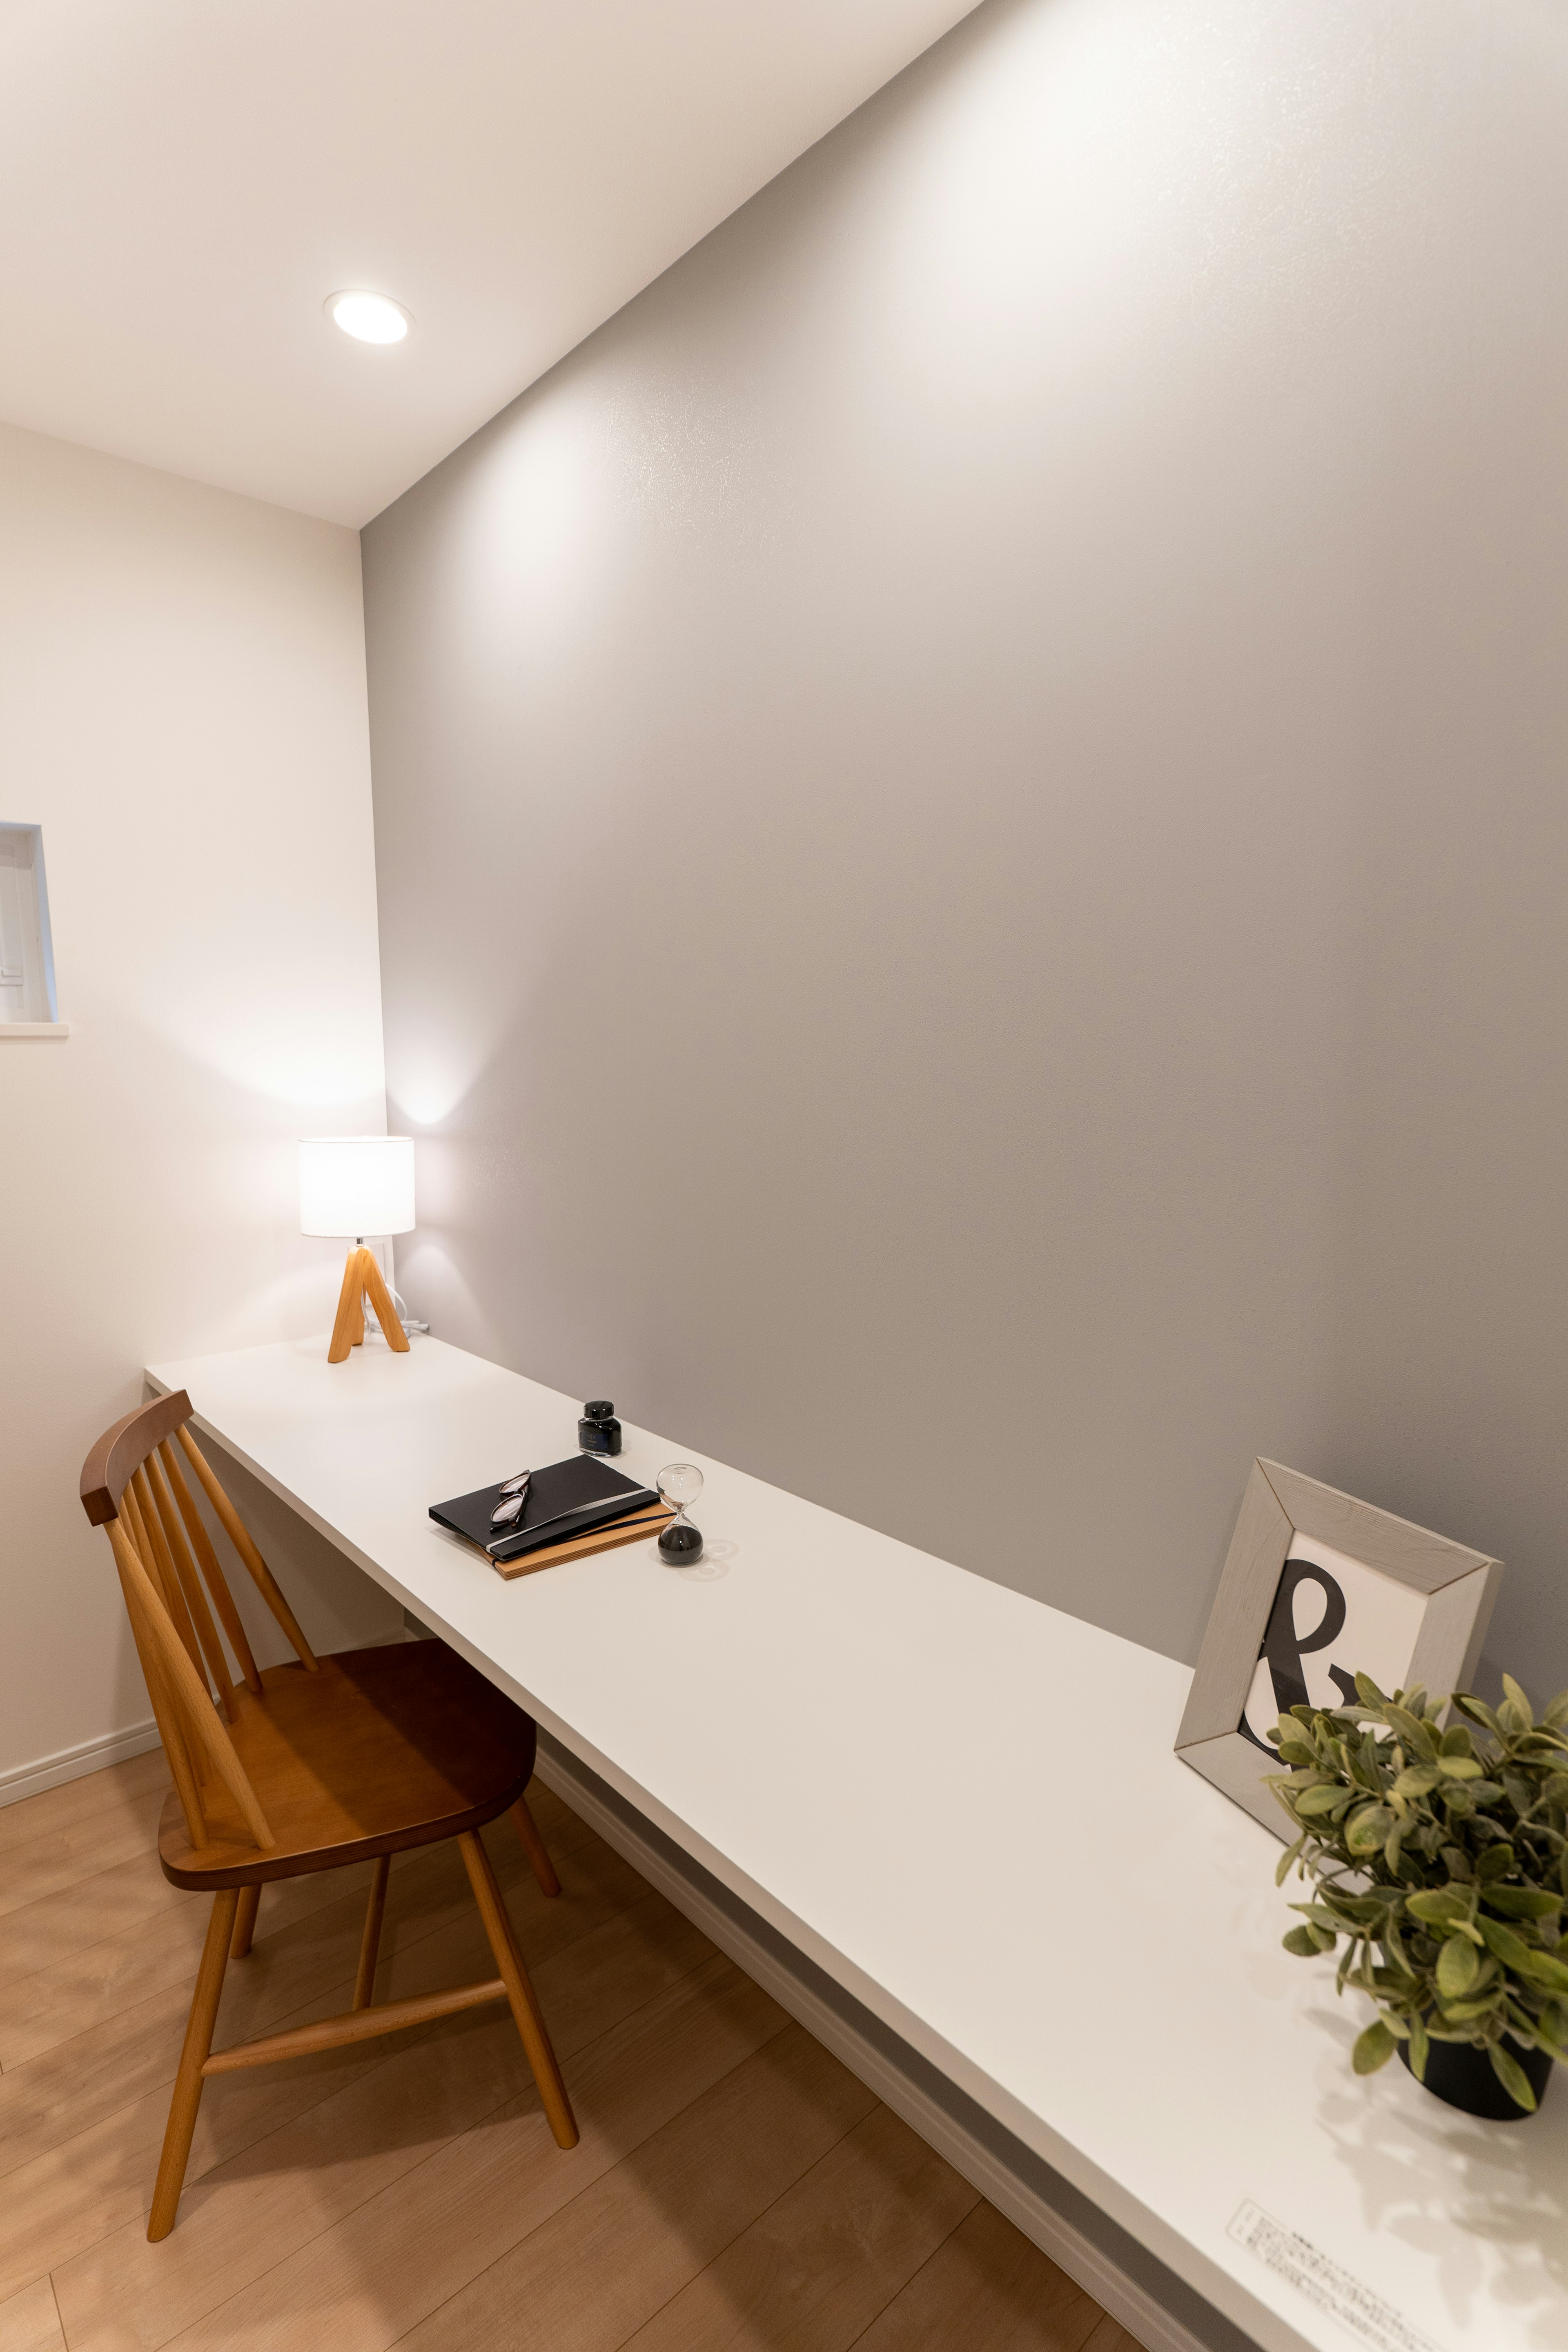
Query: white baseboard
1126, 2300
71, 1763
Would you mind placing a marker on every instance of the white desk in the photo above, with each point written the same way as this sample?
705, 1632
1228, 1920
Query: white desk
911, 1773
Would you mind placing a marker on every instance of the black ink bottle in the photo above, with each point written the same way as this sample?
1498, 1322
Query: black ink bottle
599, 1431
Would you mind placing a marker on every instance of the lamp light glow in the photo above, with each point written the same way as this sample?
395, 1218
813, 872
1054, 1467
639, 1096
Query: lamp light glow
369, 318
352, 1185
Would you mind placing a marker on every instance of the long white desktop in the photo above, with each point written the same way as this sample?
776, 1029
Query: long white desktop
964, 1806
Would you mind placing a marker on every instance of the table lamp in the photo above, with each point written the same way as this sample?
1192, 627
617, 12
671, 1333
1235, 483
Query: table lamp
350, 1186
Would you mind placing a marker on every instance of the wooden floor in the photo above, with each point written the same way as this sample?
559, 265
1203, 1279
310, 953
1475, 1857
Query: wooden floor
735, 2187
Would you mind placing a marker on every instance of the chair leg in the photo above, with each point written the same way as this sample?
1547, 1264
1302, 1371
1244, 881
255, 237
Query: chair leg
194, 2056
365, 1983
245, 1922
519, 1992
534, 1847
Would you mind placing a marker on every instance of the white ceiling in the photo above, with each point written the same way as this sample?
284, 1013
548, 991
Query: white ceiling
182, 182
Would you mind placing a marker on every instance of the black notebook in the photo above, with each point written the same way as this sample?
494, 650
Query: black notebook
564, 1499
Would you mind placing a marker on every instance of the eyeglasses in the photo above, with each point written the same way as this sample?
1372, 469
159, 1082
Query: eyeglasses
508, 1513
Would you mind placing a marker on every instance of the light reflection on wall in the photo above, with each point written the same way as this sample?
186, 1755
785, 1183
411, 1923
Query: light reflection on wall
290, 1045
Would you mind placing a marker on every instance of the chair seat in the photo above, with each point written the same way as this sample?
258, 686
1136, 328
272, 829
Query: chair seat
378, 1750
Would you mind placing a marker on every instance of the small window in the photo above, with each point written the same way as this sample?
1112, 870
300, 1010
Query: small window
26, 958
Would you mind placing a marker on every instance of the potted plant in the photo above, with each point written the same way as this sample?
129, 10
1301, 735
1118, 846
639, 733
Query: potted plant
1440, 1858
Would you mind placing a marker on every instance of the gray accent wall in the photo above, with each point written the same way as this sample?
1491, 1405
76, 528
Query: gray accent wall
970, 819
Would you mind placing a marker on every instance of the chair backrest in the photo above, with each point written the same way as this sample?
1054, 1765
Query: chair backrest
133, 1487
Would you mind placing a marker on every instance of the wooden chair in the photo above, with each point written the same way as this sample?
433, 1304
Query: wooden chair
301, 1768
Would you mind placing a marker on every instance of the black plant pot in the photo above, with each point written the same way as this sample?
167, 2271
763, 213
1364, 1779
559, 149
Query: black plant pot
1459, 2072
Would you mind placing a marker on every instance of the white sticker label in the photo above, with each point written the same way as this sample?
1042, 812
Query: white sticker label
1322, 2282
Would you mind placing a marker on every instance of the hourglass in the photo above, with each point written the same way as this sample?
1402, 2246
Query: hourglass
681, 1482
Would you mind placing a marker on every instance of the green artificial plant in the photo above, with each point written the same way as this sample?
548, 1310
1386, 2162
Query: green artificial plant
1442, 1859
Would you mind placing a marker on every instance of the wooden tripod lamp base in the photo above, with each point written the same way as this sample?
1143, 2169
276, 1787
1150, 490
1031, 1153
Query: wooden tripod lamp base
362, 1281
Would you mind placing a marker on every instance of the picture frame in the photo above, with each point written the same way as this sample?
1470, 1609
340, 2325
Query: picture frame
1415, 1603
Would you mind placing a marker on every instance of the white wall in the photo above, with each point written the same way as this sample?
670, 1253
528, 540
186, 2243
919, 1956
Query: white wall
183, 709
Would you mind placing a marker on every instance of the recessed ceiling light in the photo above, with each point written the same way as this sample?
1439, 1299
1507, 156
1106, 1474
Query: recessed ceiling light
369, 318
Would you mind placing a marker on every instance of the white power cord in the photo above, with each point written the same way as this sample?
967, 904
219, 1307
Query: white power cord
409, 1322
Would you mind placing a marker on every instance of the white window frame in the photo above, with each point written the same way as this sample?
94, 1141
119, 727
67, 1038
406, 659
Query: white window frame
33, 954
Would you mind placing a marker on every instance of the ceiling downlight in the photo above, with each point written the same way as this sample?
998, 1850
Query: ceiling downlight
369, 318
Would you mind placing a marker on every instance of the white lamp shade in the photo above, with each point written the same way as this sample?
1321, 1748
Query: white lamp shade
352, 1185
